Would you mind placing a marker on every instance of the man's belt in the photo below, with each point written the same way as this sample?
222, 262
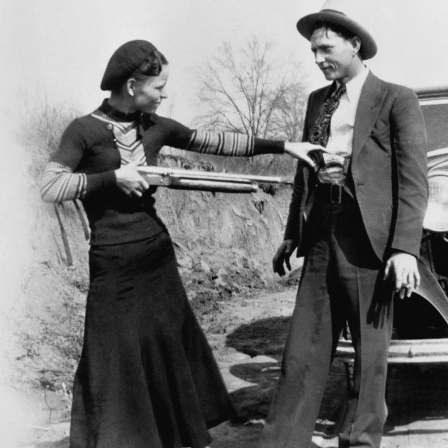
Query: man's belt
332, 193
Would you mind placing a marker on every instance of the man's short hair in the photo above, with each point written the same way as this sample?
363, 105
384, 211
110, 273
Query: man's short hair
344, 32
340, 30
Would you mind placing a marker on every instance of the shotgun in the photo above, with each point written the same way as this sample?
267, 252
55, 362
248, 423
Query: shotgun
205, 180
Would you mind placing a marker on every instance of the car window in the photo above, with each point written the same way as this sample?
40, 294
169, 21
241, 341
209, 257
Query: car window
435, 113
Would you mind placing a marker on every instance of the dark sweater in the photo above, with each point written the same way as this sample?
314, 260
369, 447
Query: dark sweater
88, 146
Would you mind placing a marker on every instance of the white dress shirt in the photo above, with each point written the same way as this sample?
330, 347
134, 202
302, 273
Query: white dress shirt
343, 119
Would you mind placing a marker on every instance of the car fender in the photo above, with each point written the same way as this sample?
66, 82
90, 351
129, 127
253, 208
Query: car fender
431, 290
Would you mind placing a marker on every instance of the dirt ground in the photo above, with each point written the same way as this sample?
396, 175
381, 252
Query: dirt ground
247, 336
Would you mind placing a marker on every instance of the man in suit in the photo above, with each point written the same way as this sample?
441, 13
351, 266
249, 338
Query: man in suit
357, 218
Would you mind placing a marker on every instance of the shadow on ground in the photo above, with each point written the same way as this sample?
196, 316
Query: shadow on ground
416, 394
64, 443
266, 338
262, 337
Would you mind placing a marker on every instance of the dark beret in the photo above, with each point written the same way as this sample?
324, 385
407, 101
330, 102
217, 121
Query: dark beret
124, 61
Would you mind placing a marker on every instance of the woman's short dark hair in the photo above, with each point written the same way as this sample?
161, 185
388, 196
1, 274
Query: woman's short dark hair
151, 66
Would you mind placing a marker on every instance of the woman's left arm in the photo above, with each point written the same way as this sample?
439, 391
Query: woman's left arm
232, 144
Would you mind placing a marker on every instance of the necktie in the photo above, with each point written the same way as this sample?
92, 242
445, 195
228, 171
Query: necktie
321, 130
332, 168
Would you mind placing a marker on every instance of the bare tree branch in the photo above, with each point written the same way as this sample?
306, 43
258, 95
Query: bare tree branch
251, 90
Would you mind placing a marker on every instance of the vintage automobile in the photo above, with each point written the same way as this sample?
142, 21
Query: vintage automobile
420, 333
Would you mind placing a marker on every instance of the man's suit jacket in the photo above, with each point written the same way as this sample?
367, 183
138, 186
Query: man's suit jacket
388, 169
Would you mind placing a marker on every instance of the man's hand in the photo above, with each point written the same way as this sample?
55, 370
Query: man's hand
300, 150
129, 180
401, 269
282, 256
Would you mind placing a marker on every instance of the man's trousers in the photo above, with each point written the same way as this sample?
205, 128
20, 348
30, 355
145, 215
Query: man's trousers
341, 282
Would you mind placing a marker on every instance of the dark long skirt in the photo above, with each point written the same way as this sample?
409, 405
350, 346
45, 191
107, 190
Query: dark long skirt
147, 377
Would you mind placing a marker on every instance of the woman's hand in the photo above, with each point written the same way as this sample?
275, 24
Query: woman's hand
129, 180
300, 150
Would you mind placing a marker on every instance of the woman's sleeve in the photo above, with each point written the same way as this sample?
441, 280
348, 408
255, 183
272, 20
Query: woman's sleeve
59, 180
220, 143
59, 183
232, 144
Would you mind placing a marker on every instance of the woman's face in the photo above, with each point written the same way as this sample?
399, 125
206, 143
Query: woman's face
149, 91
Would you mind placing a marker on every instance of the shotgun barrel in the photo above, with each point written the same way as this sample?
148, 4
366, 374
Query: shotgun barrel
205, 180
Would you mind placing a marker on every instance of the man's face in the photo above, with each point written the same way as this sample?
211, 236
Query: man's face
333, 54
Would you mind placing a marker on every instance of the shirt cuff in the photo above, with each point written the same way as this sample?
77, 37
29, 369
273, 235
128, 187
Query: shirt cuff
100, 181
263, 146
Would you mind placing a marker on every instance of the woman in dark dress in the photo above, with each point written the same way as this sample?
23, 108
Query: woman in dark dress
147, 377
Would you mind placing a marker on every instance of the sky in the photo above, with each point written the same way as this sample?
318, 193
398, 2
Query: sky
57, 50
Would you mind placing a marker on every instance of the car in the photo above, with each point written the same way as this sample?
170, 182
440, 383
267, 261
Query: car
420, 333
